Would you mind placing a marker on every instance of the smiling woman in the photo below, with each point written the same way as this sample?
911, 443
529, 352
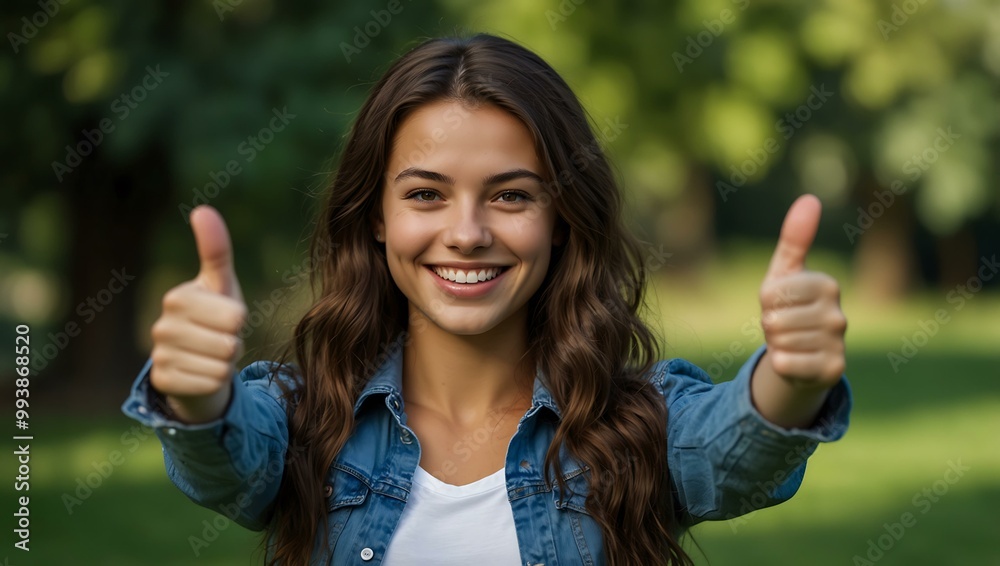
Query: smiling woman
474, 382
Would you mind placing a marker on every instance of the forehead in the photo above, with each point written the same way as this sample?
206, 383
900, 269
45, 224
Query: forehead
456, 139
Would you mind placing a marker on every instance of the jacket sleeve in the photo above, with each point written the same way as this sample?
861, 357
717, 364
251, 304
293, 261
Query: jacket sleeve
727, 460
234, 464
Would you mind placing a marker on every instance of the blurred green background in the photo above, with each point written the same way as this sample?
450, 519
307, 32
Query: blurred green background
119, 117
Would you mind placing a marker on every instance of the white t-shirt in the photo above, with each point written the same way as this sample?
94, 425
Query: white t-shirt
444, 524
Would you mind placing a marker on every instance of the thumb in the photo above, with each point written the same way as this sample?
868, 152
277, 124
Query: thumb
797, 234
215, 252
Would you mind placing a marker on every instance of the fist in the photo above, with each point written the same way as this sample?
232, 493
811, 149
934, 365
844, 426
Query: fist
800, 309
196, 340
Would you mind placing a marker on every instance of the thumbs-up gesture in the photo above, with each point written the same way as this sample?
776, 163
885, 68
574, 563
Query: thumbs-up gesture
196, 340
800, 309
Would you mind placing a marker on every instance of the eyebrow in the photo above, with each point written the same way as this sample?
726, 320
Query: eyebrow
494, 179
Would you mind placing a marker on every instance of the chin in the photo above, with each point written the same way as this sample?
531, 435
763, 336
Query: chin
466, 329
470, 325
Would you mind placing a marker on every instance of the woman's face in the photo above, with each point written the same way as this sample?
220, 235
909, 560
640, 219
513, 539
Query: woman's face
464, 188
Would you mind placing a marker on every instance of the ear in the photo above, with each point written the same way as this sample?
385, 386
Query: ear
378, 226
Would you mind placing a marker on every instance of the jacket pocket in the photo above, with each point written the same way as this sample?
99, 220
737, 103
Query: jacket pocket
576, 523
346, 492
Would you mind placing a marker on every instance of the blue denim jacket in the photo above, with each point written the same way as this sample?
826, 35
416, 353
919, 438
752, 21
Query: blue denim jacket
725, 460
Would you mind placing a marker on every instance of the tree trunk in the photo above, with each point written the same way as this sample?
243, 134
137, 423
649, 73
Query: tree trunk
112, 214
884, 264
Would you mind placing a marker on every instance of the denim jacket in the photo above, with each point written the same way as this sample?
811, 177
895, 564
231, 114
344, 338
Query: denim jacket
725, 460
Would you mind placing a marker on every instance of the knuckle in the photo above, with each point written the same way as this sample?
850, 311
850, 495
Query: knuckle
837, 366
241, 315
763, 295
831, 282
770, 321
159, 379
778, 340
220, 374
770, 294
160, 331
780, 362
838, 322
829, 285
174, 299
237, 316
232, 346
161, 357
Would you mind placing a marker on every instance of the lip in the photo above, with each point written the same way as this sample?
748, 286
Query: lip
466, 290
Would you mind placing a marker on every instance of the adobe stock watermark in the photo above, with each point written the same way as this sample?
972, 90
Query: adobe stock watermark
901, 13
31, 26
606, 134
914, 167
657, 258
121, 106
697, 44
927, 329
787, 126
249, 148
581, 157
223, 7
453, 117
462, 450
256, 483
392, 347
923, 500
88, 309
292, 277
566, 8
102, 470
763, 496
753, 329
363, 35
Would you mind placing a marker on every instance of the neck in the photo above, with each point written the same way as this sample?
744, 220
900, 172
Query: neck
464, 377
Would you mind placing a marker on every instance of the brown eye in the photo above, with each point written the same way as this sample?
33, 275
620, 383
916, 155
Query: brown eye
421, 192
515, 194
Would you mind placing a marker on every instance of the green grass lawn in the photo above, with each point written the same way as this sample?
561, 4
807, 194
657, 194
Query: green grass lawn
942, 406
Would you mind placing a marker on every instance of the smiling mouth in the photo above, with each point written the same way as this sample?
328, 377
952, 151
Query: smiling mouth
470, 277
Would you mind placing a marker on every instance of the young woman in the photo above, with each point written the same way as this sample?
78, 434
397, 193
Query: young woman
473, 382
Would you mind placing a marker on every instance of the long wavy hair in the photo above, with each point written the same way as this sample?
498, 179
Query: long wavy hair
584, 328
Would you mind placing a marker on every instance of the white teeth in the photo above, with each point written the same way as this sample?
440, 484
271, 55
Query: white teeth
459, 276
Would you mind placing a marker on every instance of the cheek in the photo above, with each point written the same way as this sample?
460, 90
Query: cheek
408, 233
532, 240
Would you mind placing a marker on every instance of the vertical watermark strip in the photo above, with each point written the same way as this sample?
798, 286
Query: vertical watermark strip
22, 481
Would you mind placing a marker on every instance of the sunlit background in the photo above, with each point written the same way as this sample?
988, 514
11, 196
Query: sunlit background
121, 116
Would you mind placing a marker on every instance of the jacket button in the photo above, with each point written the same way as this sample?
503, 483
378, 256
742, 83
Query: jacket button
405, 436
366, 554
328, 490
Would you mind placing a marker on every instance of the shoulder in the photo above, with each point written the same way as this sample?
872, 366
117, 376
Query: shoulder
267, 377
268, 369
678, 374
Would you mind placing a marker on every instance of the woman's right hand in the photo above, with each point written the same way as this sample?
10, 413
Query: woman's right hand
196, 341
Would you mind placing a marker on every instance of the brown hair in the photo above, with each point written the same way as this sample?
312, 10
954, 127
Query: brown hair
595, 351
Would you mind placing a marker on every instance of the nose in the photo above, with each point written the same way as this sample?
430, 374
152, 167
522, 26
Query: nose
468, 228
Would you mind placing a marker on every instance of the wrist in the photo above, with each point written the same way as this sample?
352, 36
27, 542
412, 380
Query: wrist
786, 401
199, 409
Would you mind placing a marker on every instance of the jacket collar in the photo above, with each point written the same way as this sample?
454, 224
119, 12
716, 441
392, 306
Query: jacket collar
388, 381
